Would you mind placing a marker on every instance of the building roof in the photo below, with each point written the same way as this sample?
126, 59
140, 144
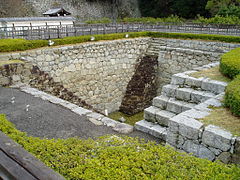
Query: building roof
17, 19
56, 11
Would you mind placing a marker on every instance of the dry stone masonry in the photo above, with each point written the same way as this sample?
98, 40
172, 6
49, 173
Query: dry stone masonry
174, 116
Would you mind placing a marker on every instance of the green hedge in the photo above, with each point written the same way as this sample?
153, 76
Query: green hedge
8, 45
232, 96
230, 66
114, 157
230, 63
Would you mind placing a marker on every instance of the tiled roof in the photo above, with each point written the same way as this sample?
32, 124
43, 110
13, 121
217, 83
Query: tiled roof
14, 19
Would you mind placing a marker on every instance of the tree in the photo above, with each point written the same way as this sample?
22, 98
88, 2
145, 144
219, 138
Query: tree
214, 6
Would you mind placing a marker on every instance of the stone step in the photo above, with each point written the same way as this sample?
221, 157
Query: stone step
171, 104
156, 115
151, 128
186, 94
206, 84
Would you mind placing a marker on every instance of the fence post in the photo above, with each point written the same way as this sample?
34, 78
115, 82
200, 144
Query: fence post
90, 29
116, 25
13, 29
104, 28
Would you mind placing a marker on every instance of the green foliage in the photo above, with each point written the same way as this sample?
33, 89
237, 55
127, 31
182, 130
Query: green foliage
231, 10
230, 63
218, 19
151, 20
214, 6
230, 66
232, 96
99, 21
8, 45
113, 157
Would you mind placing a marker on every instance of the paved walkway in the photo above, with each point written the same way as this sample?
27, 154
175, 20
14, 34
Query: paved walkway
44, 119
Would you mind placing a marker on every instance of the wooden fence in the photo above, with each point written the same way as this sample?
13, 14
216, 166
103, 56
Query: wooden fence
51, 32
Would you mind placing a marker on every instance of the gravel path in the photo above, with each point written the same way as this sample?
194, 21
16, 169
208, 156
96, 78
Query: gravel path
44, 119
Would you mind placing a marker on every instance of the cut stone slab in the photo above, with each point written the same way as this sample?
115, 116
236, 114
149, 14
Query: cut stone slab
172, 138
213, 86
96, 116
189, 127
195, 114
183, 93
216, 137
213, 102
81, 111
160, 102
175, 106
178, 79
123, 128
151, 128
194, 82
200, 96
150, 113
109, 122
191, 147
169, 90
162, 117
96, 122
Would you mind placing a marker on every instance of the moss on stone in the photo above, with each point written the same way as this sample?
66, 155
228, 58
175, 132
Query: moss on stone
15, 61
129, 119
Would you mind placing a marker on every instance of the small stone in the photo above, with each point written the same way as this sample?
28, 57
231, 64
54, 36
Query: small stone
123, 128
122, 119
96, 122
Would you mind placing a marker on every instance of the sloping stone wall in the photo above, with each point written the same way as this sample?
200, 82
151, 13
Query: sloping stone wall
97, 72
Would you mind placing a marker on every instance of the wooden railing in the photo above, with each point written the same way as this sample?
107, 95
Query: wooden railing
51, 32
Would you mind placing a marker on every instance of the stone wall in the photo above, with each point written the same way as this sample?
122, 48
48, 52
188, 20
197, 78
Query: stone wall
97, 72
175, 55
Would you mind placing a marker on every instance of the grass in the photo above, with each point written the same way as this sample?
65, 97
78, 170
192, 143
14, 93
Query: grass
2, 63
212, 73
222, 117
129, 119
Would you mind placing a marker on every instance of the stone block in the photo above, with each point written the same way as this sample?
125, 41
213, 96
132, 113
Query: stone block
178, 79
215, 151
224, 157
213, 102
162, 117
109, 122
191, 147
205, 153
81, 111
173, 123
175, 106
123, 128
96, 116
202, 107
197, 96
189, 127
159, 132
150, 113
172, 138
143, 126
160, 102
216, 137
188, 106
183, 93
236, 151
213, 86
193, 82
195, 114
169, 90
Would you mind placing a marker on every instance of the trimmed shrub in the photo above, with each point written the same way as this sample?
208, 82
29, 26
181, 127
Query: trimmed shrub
114, 157
217, 19
9, 45
230, 63
232, 96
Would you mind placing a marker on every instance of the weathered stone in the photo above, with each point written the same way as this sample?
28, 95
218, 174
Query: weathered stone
169, 90
189, 127
123, 128
150, 113
184, 93
216, 137
109, 122
224, 157
213, 86
191, 147
195, 114
175, 106
162, 117
178, 79
205, 153
172, 138
160, 102
96, 122
215, 151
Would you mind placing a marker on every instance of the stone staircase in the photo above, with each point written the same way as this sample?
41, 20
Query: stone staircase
183, 94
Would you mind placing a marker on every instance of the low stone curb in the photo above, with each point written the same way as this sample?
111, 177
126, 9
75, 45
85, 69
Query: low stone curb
96, 118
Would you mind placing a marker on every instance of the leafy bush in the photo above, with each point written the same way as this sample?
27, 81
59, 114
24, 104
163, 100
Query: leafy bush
230, 66
114, 157
231, 10
232, 96
230, 63
99, 21
9, 45
218, 19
